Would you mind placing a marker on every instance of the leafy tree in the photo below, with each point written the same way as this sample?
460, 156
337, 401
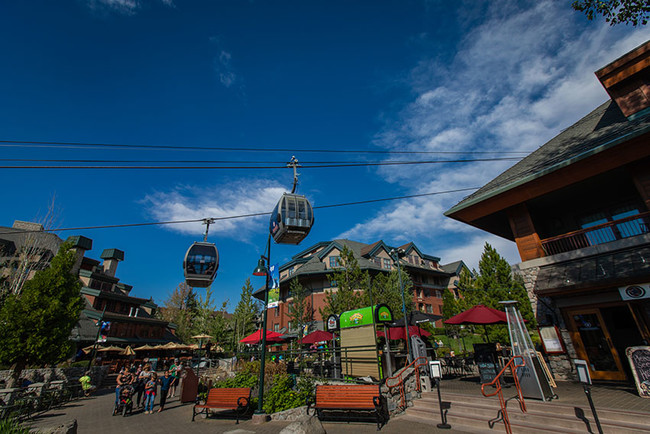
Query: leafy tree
210, 320
181, 308
350, 281
35, 325
300, 311
633, 12
246, 311
386, 289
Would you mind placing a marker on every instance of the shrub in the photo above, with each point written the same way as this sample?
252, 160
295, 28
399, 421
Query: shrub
283, 395
11, 426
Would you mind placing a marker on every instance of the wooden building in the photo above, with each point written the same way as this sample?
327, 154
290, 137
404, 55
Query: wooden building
579, 210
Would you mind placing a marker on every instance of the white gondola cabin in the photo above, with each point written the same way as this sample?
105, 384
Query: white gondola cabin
201, 264
292, 219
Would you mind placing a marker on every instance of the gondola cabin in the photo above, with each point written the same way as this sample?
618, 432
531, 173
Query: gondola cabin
291, 219
201, 264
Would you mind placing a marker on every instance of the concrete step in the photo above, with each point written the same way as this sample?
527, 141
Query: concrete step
556, 407
110, 381
475, 412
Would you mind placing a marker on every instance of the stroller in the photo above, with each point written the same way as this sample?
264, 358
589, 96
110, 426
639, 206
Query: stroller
125, 402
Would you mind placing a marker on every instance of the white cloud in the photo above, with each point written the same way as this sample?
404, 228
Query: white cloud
225, 200
471, 249
517, 80
222, 64
124, 7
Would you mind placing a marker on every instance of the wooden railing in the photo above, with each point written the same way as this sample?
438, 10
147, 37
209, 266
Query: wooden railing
496, 383
398, 380
600, 234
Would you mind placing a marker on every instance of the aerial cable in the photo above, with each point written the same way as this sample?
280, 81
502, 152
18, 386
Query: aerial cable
315, 166
214, 219
77, 145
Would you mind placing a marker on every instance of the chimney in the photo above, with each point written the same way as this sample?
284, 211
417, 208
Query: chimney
627, 81
111, 257
80, 245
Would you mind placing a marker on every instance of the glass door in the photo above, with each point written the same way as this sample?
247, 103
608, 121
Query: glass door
594, 344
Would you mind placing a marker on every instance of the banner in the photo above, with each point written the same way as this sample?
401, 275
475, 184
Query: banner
274, 286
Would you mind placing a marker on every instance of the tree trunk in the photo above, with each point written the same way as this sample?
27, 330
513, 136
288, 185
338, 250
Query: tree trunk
16, 369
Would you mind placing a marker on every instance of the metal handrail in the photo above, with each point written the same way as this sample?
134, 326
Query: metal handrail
499, 391
416, 364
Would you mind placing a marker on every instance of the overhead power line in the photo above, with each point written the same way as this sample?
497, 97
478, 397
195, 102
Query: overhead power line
76, 145
303, 166
130, 225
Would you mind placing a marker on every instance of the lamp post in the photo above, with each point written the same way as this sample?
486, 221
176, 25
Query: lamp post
396, 254
263, 270
100, 322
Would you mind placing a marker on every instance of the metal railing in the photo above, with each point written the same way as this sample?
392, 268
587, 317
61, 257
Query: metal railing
499, 391
599, 234
398, 380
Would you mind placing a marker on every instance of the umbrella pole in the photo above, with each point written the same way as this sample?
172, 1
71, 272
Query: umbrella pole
487, 338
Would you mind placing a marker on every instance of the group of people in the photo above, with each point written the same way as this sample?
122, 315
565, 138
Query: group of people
144, 382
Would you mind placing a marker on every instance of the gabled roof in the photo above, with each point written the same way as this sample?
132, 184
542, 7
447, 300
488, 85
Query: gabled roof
455, 267
601, 130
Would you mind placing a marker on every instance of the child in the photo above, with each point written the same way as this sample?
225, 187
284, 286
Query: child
165, 384
150, 393
85, 384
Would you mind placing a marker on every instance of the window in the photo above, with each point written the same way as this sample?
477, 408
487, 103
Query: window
276, 327
387, 264
334, 261
291, 271
439, 294
429, 308
276, 312
290, 325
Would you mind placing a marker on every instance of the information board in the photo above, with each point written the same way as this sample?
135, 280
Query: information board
639, 358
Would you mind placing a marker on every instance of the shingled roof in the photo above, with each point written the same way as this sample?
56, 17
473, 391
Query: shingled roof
602, 129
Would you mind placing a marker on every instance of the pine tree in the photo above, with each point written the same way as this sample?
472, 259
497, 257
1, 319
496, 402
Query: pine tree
181, 309
35, 325
350, 281
300, 311
246, 311
386, 289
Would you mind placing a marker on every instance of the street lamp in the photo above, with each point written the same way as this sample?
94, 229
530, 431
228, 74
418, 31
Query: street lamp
263, 270
396, 254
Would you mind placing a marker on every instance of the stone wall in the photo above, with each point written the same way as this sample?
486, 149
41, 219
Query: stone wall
393, 394
47, 375
547, 313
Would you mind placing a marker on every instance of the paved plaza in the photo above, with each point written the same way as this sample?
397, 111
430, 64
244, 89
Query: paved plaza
94, 416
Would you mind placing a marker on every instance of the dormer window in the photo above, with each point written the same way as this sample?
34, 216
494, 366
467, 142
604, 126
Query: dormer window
335, 261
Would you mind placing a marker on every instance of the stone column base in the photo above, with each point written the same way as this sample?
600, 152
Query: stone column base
260, 418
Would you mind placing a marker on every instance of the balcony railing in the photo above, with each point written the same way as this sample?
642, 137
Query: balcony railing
600, 234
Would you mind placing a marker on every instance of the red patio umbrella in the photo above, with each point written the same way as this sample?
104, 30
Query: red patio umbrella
399, 332
317, 336
256, 337
481, 315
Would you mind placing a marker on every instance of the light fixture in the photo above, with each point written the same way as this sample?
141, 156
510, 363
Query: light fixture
260, 270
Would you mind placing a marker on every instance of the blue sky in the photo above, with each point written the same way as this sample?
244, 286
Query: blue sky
462, 76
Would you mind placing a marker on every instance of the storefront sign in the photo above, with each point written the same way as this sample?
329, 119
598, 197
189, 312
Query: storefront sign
635, 292
366, 316
551, 340
639, 358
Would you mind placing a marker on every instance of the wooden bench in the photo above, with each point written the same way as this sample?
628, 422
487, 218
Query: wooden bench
236, 399
344, 398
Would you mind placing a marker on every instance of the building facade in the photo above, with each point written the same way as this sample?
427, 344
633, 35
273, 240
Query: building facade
26, 248
314, 268
578, 209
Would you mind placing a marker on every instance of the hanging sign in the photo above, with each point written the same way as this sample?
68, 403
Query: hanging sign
635, 292
383, 314
274, 286
333, 323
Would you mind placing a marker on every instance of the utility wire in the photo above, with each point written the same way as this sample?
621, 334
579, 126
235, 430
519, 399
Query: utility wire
130, 225
314, 166
76, 145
